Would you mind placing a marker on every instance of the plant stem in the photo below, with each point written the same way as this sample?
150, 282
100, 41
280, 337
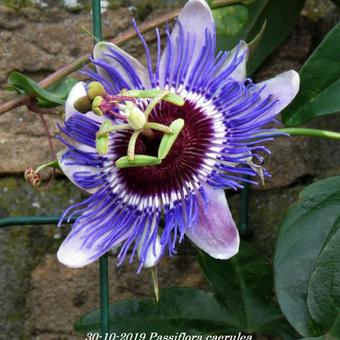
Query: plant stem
311, 133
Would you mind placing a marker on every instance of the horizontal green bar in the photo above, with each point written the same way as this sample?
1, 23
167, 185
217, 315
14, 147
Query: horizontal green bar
30, 220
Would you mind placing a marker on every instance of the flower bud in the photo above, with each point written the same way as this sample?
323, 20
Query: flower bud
95, 89
96, 106
136, 117
83, 104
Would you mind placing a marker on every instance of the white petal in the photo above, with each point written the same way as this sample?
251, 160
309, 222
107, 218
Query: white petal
72, 254
103, 48
155, 250
77, 91
215, 231
69, 171
195, 18
283, 87
153, 255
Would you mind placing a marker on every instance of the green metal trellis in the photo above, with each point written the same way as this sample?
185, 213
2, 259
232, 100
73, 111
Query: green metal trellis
103, 262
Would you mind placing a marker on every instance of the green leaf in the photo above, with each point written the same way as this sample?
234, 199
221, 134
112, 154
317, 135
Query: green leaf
304, 250
179, 309
320, 83
55, 95
61, 89
336, 2
324, 287
244, 285
244, 21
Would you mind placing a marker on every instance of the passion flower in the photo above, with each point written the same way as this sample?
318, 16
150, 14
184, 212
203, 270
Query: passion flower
157, 178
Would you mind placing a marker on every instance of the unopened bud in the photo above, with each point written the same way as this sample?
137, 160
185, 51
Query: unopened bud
95, 89
96, 106
83, 104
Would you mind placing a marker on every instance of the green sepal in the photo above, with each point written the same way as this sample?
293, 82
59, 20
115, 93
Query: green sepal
139, 160
169, 139
102, 141
170, 97
252, 45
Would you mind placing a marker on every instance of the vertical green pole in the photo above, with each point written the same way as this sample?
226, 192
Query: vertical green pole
97, 19
244, 228
104, 296
103, 261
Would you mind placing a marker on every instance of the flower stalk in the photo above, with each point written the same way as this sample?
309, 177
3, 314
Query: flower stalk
311, 133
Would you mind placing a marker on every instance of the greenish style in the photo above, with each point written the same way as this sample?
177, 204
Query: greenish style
320, 83
136, 118
307, 261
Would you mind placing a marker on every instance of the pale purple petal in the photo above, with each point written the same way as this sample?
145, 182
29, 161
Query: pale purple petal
283, 88
197, 22
129, 70
236, 61
215, 231
82, 246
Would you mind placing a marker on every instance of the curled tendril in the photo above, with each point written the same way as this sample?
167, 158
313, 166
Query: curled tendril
32, 177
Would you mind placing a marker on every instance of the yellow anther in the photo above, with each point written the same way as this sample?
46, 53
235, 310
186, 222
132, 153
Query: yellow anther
83, 104
96, 106
95, 89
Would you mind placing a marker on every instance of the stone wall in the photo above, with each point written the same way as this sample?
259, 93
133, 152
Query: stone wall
41, 299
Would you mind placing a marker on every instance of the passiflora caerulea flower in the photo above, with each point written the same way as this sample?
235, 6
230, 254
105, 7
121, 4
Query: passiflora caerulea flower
156, 162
